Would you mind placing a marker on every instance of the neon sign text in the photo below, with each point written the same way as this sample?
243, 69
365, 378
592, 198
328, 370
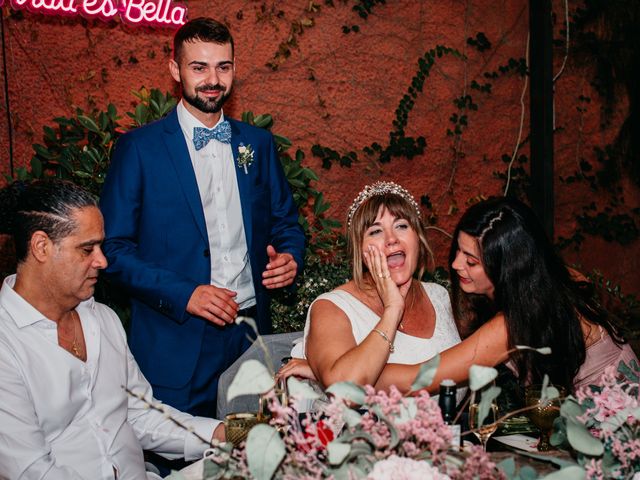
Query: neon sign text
158, 13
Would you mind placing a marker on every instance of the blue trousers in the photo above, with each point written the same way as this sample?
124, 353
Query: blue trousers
221, 346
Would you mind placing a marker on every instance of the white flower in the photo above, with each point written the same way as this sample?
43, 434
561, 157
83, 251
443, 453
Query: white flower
245, 156
401, 468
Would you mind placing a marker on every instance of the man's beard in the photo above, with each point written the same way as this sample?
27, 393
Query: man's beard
207, 105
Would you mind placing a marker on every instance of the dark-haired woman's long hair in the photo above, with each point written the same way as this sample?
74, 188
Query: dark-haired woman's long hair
533, 289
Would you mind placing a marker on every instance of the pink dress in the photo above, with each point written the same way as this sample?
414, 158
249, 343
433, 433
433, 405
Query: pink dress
600, 355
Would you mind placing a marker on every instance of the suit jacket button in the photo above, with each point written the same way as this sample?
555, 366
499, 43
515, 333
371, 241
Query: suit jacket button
206, 253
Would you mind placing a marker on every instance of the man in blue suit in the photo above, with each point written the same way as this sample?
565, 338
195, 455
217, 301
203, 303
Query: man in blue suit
200, 224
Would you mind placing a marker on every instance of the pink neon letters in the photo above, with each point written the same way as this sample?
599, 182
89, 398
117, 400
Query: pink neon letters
159, 13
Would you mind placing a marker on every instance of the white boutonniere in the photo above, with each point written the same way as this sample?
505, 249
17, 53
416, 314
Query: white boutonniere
245, 156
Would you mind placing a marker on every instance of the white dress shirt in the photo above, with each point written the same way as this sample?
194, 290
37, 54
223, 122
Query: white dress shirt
62, 418
216, 177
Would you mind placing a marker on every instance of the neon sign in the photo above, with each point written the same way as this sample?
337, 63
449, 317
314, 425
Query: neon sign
157, 13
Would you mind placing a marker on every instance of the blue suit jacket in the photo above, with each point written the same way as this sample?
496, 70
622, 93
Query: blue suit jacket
156, 239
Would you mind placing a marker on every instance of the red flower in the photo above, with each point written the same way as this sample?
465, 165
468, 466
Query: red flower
322, 433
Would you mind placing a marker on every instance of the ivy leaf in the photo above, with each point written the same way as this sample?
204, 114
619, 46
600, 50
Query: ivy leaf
265, 450
426, 373
252, 378
349, 391
480, 376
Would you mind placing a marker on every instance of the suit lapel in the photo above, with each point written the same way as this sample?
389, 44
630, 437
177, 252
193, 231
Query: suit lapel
244, 181
179, 156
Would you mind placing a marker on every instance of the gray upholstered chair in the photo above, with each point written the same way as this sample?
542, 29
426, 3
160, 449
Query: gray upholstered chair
279, 346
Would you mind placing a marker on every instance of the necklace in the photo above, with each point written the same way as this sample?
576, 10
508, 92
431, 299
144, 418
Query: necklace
76, 346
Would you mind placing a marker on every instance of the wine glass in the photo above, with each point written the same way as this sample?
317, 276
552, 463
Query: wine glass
483, 428
542, 412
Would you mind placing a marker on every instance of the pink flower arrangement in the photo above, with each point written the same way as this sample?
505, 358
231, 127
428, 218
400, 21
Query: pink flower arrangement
389, 433
612, 415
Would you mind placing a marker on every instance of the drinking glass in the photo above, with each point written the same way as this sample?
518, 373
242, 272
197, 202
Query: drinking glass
483, 430
237, 426
543, 413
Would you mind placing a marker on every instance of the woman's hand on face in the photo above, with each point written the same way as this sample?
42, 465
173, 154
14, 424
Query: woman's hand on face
390, 294
298, 367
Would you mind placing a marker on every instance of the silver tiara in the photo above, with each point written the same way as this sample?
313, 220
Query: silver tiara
380, 188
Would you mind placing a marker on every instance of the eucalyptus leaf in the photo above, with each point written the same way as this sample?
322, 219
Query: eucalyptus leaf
508, 466
349, 391
480, 376
486, 401
252, 378
547, 391
541, 350
393, 431
559, 462
581, 439
407, 412
360, 449
301, 390
352, 417
265, 450
249, 321
573, 472
211, 469
337, 452
528, 473
175, 476
426, 373
349, 437
570, 408
545, 382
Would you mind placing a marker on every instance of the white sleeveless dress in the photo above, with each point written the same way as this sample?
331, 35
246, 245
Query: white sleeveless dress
408, 349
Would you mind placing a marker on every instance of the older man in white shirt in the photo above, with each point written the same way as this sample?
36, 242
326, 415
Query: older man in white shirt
64, 360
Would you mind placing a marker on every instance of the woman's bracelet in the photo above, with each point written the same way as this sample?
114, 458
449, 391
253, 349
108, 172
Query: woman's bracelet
384, 336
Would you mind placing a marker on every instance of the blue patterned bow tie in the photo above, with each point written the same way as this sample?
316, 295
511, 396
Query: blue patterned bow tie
202, 136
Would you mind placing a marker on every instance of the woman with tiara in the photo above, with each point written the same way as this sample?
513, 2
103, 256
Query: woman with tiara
354, 331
